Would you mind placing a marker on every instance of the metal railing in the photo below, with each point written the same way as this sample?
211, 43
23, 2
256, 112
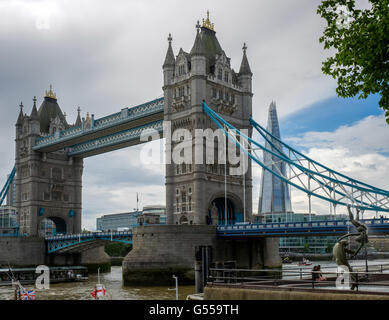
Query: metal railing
300, 277
90, 235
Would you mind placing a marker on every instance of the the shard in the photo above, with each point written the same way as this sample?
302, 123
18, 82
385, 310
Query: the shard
274, 195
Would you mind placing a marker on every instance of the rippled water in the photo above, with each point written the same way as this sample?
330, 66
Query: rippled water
112, 282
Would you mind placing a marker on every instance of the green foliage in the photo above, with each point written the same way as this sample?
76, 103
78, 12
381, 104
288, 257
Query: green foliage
361, 42
117, 249
306, 247
329, 247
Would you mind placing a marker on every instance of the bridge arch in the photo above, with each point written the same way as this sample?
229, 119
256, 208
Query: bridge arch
216, 209
52, 225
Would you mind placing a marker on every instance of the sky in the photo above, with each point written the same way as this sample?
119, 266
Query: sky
104, 56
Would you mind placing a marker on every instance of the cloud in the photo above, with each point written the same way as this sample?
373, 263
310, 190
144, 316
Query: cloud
104, 56
358, 151
369, 135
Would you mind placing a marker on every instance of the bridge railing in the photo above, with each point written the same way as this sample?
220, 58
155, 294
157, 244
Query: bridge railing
284, 225
303, 277
115, 138
89, 235
127, 114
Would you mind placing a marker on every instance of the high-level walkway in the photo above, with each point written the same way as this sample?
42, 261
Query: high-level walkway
115, 131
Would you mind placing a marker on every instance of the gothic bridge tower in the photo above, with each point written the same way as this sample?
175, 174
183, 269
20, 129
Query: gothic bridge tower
205, 73
48, 185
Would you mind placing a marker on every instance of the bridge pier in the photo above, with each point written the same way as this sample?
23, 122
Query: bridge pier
31, 252
93, 258
159, 252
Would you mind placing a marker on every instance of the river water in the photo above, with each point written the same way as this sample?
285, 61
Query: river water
112, 282
116, 291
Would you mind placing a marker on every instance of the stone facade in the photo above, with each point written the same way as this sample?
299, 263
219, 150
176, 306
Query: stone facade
160, 251
22, 251
48, 185
204, 74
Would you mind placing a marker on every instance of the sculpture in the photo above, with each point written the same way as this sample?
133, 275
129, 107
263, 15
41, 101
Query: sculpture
340, 249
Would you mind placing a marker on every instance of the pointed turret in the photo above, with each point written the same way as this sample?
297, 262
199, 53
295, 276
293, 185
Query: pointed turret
49, 110
244, 66
206, 42
274, 195
198, 48
34, 113
169, 59
19, 122
78, 120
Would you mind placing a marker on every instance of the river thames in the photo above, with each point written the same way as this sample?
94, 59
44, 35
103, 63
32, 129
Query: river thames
116, 291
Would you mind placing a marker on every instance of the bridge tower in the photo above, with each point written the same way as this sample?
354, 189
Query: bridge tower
48, 185
194, 189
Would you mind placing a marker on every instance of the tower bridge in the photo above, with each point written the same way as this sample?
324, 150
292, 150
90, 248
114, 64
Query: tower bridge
201, 90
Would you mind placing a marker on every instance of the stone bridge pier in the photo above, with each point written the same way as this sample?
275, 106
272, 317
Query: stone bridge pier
159, 252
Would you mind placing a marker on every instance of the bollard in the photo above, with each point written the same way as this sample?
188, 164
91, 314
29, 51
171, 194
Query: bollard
199, 277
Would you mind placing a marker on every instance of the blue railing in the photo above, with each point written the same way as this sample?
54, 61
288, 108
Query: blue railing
7, 185
313, 228
66, 242
127, 114
115, 138
89, 235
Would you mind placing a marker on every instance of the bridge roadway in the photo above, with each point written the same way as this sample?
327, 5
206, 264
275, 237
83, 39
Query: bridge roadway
115, 131
84, 241
299, 229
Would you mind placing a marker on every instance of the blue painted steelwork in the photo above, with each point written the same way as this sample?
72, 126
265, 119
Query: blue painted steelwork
5, 189
128, 114
375, 199
306, 229
115, 138
64, 242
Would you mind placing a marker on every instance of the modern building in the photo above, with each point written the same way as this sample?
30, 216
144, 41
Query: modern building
111, 222
8, 220
158, 210
275, 200
274, 194
149, 215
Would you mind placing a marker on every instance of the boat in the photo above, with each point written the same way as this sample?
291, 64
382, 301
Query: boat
305, 262
287, 260
57, 275
99, 292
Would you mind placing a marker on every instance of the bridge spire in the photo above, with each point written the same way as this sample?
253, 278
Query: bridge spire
78, 120
50, 93
169, 59
34, 113
20, 117
244, 66
207, 23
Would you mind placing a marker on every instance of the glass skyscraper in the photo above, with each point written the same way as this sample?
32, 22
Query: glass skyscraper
275, 200
274, 194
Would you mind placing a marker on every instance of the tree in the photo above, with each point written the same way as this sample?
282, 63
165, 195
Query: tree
361, 42
306, 247
117, 249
